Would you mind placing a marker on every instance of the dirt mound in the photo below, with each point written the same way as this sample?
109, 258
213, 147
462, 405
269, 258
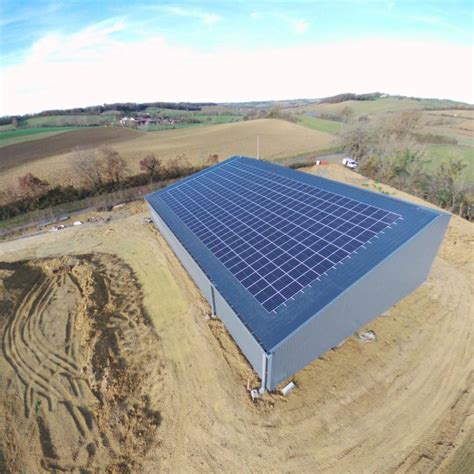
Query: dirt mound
78, 355
24, 153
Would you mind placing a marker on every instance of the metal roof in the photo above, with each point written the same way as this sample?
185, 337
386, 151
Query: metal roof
278, 244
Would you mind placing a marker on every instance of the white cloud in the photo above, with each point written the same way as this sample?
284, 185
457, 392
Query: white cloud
69, 48
91, 67
208, 18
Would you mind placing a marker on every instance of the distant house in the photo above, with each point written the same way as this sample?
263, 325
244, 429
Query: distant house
127, 121
145, 120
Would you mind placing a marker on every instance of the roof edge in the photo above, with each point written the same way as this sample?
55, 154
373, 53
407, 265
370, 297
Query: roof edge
193, 176
443, 215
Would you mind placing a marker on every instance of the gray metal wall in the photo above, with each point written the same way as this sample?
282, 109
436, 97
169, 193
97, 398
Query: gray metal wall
391, 280
241, 335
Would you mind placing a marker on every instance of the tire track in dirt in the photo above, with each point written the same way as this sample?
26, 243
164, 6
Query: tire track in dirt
45, 371
24, 343
77, 338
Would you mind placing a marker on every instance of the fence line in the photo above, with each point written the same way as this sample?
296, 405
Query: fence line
41, 217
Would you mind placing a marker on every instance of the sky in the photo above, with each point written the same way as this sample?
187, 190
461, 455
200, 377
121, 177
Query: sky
73, 53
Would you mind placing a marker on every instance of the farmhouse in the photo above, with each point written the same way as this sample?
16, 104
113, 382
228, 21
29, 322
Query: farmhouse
146, 120
293, 263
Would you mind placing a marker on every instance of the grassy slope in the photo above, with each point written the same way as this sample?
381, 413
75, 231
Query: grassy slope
70, 120
438, 154
451, 123
388, 104
327, 126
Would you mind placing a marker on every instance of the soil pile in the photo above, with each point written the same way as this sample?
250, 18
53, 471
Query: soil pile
78, 356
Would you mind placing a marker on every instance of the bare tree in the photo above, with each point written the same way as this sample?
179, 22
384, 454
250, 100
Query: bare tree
88, 167
402, 123
388, 150
115, 167
31, 186
8, 194
347, 113
151, 166
178, 166
389, 139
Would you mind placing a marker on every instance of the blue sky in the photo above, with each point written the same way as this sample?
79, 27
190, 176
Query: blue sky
204, 40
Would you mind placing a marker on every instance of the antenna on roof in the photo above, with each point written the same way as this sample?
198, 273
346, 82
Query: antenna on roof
258, 147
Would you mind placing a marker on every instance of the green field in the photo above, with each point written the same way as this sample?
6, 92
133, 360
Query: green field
79, 120
158, 127
190, 119
328, 126
7, 128
158, 112
386, 104
12, 137
438, 154
215, 119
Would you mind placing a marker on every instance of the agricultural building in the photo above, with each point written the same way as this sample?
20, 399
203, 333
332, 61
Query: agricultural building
293, 263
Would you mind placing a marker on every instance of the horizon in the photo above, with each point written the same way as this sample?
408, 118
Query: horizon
57, 55
294, 99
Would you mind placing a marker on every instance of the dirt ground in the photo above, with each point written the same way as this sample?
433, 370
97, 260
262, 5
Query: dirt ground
404, 403
79, 354
21, 154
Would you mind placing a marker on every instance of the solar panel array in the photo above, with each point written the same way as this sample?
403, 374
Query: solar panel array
275, 234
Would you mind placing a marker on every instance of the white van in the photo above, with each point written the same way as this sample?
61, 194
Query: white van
349, 163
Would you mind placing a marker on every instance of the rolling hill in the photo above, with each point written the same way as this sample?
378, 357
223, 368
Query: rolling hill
51, 158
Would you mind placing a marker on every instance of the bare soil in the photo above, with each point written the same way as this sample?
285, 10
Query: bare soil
21, 154
78, 354
403, 403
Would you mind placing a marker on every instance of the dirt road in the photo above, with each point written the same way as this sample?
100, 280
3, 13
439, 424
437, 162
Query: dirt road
402, 403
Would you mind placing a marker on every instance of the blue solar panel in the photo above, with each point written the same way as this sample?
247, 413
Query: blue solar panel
276, 235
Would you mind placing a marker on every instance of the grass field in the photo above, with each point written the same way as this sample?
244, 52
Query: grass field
438, 154
203, 119
327, 126
26, 134
159, 112
388, 104
79, 120
195, 118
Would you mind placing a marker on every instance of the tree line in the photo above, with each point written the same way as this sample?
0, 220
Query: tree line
123, 107
99, 171
389, 150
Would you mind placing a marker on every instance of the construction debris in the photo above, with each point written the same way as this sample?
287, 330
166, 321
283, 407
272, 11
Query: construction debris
254, 394
288, 388
368, 336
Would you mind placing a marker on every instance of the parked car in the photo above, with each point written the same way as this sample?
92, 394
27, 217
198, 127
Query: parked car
350, 163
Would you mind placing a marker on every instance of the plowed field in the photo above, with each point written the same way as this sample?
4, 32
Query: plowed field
22, 155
